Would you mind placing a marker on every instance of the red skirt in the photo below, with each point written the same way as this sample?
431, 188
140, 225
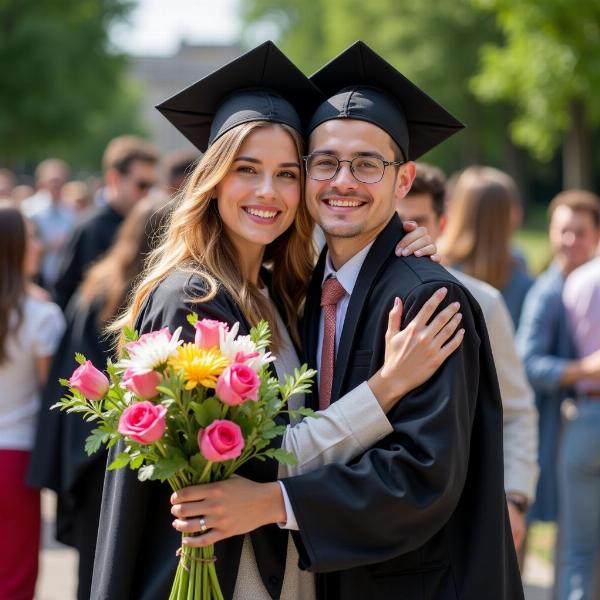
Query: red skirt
20, 524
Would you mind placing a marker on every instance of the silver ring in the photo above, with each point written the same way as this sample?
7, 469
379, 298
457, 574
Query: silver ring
203, 527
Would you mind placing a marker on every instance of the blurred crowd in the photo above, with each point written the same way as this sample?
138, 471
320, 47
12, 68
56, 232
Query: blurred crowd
70, 251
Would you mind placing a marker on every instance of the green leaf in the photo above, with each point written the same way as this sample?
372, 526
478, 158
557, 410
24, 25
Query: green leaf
95, 440
130, 334
167, 467
273, 432
198, 462
122, 460
166, 391
201, 413
192, 319
213, 407
136, 462
64, 382
80, 358
261, 335
283, 456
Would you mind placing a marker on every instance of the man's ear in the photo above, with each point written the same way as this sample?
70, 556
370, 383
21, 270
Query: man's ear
442, 222
404, 180
112, 177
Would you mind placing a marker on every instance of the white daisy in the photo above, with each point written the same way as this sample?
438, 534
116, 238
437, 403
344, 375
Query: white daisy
242, 349
152, 350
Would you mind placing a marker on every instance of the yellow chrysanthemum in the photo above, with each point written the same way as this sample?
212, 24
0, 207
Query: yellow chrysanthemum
199, 366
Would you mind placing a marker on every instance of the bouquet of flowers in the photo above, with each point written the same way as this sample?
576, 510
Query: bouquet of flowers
187, 413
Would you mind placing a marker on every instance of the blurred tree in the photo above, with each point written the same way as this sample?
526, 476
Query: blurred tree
61, 78
548, 69
437, 47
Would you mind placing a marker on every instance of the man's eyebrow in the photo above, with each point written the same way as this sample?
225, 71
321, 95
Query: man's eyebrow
371, 153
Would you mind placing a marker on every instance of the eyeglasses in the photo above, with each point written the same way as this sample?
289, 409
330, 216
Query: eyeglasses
366, 169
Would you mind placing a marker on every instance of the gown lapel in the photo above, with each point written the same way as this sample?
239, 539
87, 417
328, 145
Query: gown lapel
310, 326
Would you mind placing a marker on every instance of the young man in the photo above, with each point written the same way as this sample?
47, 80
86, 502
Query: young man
424, 204
544, 338
421, 515
129, 165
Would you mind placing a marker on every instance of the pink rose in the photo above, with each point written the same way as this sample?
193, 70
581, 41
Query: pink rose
93, 384
143, 422
207, 333
142, 384
237, 383
220, 441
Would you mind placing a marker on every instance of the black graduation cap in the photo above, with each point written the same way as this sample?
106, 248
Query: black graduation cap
261, 85
360, 84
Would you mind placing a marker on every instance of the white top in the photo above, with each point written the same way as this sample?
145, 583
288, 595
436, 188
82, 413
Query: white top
347, 276
38, 336
519, 414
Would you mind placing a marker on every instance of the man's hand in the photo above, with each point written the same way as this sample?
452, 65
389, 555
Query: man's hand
228, 508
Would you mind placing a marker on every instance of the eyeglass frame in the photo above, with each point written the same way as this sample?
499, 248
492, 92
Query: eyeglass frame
386, 163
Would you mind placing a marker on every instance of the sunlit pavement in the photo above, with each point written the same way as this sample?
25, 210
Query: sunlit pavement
58, 564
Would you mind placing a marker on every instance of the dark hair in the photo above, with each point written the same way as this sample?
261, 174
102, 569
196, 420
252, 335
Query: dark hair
430, 180
124, 261
178, 165
122, 151
13, 241
577, 201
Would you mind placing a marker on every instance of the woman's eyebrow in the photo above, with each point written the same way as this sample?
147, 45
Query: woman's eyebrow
290, 164
248, 159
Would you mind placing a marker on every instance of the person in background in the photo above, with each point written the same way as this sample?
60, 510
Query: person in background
579, 463
20, 193
425, 204
129, 165
544, 340
78, 198
477, 239
58, 460
30, 330
177, 166
7, 183
53, 218
50, 176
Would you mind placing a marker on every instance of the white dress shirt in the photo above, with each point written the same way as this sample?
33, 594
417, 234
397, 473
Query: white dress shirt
347, 276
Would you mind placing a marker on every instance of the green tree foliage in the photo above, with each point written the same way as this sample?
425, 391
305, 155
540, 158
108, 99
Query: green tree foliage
549, 58
61, 80
436, 46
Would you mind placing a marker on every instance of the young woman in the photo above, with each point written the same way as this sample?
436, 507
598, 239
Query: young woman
30, 329
477, 239
242, 210
58, 459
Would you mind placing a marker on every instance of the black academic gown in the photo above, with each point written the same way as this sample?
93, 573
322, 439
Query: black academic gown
91, 238
59, 461
422, 514
135, 555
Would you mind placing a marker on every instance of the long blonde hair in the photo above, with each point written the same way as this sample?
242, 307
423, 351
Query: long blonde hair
477, 237
195, 239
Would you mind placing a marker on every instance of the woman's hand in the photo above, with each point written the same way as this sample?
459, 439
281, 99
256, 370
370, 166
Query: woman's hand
417, 241
227, 508
414, 354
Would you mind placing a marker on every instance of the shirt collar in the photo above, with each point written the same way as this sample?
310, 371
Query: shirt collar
348, 273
